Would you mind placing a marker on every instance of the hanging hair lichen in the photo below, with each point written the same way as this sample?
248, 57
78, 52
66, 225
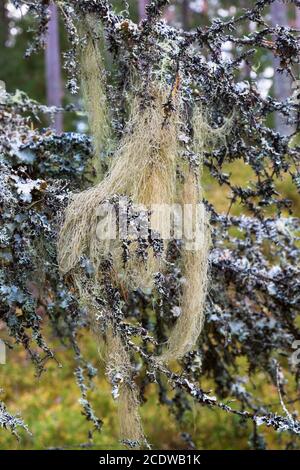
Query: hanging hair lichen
143, 168
119, 372
143, 174
207, 137
93, 86
194, 266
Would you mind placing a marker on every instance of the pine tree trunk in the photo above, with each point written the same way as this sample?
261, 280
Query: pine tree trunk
3, 23
142, 8
53, 67
185, 14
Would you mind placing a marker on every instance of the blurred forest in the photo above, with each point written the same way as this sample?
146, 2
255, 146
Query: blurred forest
49, 404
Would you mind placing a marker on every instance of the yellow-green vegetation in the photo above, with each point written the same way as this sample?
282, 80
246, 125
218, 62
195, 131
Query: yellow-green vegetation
50, 407
242, 175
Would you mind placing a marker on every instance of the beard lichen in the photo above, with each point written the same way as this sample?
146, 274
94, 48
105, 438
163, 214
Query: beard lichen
144, 170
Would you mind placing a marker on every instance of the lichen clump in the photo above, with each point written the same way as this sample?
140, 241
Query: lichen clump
144, 169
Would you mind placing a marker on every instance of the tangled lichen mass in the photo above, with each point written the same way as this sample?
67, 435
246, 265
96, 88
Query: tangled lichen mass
167, 310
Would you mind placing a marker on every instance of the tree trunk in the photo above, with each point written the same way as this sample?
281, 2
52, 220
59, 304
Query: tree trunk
185, 15
3, 23
53, 67
142, 8
282, 82
297, 16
